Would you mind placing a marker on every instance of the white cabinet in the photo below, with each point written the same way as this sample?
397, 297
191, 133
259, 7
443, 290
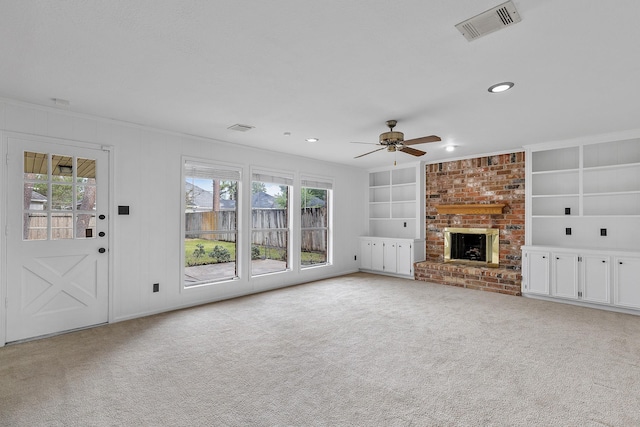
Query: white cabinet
627, 281
585, 196
596, 273
396, 202
390, 256
365, 254
535, 266
601, 279
565, 274
583, 210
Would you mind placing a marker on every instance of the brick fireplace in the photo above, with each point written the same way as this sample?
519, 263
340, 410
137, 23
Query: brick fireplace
455, 194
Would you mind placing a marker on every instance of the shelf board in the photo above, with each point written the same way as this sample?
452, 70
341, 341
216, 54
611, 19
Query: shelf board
475, 209
612, 193
609, 167
556, 171
534, 196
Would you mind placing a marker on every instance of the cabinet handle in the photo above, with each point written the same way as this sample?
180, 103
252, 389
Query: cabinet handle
556, 257
543, 257
604, 261
620, 262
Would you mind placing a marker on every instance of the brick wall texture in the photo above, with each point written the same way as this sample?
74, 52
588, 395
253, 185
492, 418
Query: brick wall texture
491, 179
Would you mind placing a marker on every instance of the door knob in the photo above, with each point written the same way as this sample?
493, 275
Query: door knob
102, 250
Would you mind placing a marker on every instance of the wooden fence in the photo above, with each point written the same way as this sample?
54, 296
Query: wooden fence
276, 219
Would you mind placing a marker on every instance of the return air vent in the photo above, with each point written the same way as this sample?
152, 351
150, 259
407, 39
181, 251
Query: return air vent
487, 22
241, 128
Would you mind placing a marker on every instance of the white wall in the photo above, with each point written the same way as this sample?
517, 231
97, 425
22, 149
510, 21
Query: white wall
146, 167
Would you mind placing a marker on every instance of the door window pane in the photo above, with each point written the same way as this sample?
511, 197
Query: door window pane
61, 226
59, 197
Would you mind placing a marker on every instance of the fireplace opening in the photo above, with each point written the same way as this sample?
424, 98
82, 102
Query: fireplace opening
478, 246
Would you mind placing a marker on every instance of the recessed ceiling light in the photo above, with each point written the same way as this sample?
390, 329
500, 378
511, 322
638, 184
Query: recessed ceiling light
312, 140
450, 147
500, 87
287, 134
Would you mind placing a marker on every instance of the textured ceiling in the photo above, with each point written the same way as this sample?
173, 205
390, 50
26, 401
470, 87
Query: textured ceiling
334, 70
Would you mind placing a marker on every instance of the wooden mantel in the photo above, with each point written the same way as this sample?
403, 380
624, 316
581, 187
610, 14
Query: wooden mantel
469, 209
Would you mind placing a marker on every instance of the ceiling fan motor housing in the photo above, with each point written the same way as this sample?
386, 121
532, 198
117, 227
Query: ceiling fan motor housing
391, 138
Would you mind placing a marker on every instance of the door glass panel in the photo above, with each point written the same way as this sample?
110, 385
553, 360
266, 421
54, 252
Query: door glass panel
35, 226
50, 187
62, 168
36, 166
61, 226
62, 197
85, 226
86, 172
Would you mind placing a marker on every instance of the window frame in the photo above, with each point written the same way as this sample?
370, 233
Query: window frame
278, 177
320, 183
232, 172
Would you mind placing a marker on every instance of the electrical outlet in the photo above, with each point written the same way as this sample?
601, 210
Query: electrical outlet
156, 287
603, 231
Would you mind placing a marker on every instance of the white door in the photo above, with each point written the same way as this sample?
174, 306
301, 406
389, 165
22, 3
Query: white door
57, 228
365, 254
390, 257
626, 288
537, 271
377, 255
596, 278
565, 275
405, 259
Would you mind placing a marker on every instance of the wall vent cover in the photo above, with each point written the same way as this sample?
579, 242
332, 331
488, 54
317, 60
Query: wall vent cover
240, 128
494, 19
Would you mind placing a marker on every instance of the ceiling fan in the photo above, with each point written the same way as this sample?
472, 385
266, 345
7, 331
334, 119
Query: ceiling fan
394, 141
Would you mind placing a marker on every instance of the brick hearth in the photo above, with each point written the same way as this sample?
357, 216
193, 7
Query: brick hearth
484, 180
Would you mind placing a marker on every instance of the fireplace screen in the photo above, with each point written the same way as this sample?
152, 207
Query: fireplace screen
472, 245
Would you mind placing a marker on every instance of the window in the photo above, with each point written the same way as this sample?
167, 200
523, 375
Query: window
59, 197
210, 223
270, 227
314, 231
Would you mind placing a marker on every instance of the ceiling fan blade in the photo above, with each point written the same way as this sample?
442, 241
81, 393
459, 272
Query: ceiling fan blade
368, 143
361, 155
423, 140
412, 151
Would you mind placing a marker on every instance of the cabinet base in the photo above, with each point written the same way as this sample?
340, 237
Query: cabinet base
583, 304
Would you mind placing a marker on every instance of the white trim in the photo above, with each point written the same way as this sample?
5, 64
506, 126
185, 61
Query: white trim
3, 247
240, 259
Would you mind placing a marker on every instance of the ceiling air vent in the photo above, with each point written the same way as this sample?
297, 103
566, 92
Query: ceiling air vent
241, 128
487, 22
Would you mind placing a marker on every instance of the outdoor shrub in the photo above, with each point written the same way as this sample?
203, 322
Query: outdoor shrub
199, 251
255, 252
220, 254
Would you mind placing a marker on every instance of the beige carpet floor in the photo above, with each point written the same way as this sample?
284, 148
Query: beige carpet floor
359, 350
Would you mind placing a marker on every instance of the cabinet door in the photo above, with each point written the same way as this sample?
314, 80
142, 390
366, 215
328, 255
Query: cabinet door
405, 258
365, 254
537, 272
377, 255
390, 254
595, 278
626, 285
565, 275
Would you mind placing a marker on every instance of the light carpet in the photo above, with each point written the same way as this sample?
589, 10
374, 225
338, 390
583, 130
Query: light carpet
357, 350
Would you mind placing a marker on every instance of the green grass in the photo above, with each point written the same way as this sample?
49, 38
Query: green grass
190, 245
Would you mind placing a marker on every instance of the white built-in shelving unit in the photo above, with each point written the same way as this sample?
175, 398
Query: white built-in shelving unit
395, 215
583, 222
